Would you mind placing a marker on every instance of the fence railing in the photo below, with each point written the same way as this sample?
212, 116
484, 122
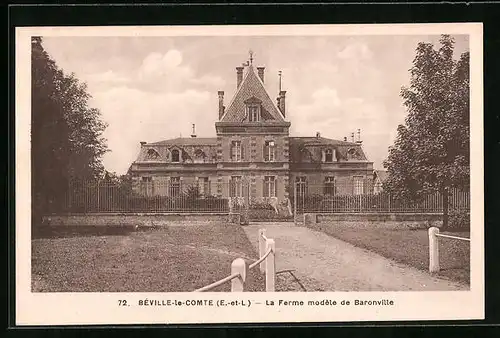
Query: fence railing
102, 197
316, 198
434, 247
266, 262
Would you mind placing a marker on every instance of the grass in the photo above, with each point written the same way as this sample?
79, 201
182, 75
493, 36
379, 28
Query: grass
411, 247
171, 259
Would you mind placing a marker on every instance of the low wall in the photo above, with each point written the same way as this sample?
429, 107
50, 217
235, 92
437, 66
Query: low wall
138, 219
374, 220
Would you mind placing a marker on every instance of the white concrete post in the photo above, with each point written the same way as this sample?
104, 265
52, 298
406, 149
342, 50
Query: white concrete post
262, 249
238, 266
270, 267
433, 250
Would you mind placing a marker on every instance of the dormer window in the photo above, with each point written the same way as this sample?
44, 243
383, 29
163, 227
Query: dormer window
252, 106
329, 155
152, 154
175, 155
253, 114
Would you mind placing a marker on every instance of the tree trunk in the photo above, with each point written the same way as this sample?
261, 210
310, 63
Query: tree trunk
445, 208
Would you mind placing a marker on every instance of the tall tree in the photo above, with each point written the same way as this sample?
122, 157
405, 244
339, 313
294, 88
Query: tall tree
431, 151
66, 134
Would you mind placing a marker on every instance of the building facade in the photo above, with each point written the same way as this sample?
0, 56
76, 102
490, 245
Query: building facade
252, 154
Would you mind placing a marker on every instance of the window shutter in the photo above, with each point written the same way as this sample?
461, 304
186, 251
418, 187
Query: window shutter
323, 156
264, 152
264, 190
275, 187
242, 152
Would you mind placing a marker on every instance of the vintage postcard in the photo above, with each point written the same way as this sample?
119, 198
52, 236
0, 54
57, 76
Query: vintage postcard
249, 174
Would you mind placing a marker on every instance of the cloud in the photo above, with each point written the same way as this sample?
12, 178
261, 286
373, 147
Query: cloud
107, 77
150, 116
355, 50
158, 100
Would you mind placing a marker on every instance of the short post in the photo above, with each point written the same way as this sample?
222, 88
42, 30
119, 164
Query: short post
238, 266
270, 266
262, 249
433, 250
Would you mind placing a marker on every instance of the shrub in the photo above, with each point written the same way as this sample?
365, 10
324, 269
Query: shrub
459, 220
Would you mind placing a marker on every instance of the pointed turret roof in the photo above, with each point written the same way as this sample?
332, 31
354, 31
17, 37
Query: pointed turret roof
252, 87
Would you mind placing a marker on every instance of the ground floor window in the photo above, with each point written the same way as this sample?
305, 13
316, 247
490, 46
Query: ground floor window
235, 187
329, 185
203, 186
358, 185
270, 186
175, 186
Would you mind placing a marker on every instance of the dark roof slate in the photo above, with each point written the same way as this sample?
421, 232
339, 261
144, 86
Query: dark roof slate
187, 141
251, 87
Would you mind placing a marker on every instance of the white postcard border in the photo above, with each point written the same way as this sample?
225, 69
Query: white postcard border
102, 308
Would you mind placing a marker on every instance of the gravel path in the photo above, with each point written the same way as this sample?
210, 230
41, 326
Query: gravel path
323, 263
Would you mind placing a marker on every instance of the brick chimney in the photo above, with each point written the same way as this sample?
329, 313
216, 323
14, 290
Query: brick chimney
221, 103
260, 72
239, 76
281, 101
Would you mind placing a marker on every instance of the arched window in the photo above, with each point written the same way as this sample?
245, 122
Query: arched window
175, 155
351, 152
152, 154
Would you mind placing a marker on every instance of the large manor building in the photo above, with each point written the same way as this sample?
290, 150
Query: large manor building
252, 149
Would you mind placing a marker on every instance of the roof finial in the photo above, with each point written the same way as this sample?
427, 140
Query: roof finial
251, 56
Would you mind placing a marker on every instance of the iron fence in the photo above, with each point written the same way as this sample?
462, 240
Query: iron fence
327, 199
102, 197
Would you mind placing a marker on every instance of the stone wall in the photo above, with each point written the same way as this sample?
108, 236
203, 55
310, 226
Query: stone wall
373, 220
137, 219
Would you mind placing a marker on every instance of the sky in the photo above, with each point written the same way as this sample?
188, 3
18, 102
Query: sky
154, 88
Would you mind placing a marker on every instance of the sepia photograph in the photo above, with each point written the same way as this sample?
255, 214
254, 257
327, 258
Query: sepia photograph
280, 163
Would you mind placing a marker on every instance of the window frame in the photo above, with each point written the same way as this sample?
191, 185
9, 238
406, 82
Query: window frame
236, 150
330, 186
268, 150
270, 186
251, 109
175, 186
329, 152
358, 185
204, 186
236, 186
178, 155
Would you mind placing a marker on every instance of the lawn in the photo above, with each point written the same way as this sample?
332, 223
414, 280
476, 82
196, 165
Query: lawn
411, 247
170, 259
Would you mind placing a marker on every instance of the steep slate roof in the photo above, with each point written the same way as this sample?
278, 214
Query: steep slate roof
314, 144
187, 141
251, 86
